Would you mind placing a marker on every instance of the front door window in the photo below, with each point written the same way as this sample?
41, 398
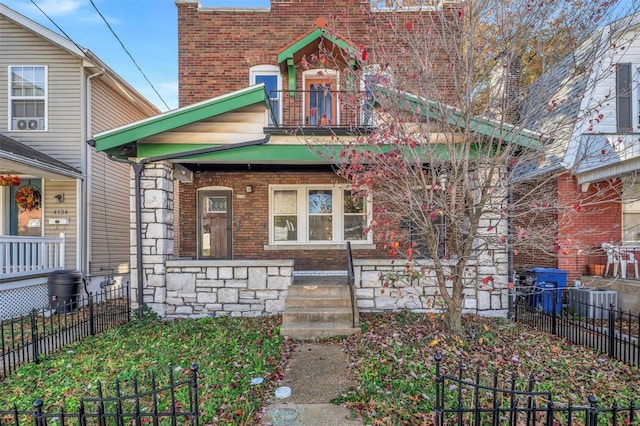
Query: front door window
215, 225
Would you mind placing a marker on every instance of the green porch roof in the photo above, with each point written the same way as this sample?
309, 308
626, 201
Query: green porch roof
478, 124
180, 117
274, 152
277, 153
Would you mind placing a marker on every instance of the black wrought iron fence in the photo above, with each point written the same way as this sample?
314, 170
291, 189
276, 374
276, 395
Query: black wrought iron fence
175, 402
465, 397
599, 326
46, 330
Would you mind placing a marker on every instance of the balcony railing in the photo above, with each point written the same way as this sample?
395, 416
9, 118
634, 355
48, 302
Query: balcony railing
313, 108
23, 256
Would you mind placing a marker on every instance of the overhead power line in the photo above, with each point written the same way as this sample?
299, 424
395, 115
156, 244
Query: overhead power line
114, 34
128, 54
57, 26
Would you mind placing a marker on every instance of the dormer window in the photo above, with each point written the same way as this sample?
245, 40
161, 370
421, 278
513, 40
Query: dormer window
27, 98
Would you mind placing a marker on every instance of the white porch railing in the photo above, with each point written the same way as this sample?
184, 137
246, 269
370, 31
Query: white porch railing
24, 256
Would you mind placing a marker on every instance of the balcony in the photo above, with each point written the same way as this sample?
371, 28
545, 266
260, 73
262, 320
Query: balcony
333, 109
21, 257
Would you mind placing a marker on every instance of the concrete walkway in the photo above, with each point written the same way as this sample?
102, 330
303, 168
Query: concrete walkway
317, 373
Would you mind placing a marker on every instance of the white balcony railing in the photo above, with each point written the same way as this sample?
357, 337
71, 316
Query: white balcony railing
24, 256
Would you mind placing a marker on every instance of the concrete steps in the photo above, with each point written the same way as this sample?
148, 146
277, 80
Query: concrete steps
318, 311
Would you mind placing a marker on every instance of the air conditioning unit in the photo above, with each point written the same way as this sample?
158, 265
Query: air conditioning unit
592, 303
28, 123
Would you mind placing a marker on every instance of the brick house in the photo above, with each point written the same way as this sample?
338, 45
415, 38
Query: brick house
231, 205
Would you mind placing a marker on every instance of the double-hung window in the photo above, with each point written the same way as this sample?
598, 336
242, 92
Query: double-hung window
270, 76
631, 211
313, 214
27, 98
628, 98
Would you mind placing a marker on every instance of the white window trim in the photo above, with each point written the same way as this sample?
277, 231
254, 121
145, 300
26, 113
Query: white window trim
257, 70
378, 6
302, 213
318, 73
45, 96
629, 198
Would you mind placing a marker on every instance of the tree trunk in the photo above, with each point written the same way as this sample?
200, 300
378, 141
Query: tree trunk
454, 319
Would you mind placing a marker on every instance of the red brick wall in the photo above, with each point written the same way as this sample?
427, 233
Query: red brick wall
586, 220
595, 218
252, 215
217, 47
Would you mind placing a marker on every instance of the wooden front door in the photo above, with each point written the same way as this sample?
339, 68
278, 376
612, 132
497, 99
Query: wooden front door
215, 225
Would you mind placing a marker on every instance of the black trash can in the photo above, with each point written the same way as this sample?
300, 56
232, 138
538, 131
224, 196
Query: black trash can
63, 289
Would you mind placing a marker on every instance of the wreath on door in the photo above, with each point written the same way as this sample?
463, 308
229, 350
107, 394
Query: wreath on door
28, 198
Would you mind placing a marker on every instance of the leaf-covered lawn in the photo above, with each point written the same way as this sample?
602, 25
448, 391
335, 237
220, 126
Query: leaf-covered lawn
229, 353
392, 359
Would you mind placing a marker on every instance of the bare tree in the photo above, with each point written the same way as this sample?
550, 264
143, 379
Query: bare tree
466, 146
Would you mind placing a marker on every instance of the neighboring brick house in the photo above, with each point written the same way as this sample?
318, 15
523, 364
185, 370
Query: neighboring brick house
54, 94
588, 106
233, 203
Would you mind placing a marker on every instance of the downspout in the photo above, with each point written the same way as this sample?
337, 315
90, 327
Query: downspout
83, 255
138, 168
511, 292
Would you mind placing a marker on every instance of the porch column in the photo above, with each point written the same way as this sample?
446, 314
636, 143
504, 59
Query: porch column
156, 234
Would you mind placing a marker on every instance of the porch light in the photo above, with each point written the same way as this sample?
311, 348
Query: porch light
249, 189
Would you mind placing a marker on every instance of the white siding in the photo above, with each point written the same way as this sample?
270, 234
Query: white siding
601, 100
65, 210
65, 77
106, 205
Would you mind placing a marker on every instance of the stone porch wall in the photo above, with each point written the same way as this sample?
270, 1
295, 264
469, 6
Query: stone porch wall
421, 295
197, 288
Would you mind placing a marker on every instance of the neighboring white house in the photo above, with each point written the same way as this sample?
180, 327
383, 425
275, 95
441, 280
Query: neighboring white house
56, 95
589, 106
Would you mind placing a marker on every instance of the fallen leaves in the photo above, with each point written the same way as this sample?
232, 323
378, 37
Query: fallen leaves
393, 360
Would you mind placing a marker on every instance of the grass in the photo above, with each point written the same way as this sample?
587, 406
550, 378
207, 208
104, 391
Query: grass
392, 360
229, 353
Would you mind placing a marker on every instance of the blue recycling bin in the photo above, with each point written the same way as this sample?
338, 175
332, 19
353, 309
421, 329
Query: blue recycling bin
546, 282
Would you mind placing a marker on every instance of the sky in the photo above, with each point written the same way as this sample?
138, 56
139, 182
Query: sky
147, 29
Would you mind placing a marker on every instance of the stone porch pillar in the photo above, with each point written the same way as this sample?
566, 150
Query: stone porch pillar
156, 187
